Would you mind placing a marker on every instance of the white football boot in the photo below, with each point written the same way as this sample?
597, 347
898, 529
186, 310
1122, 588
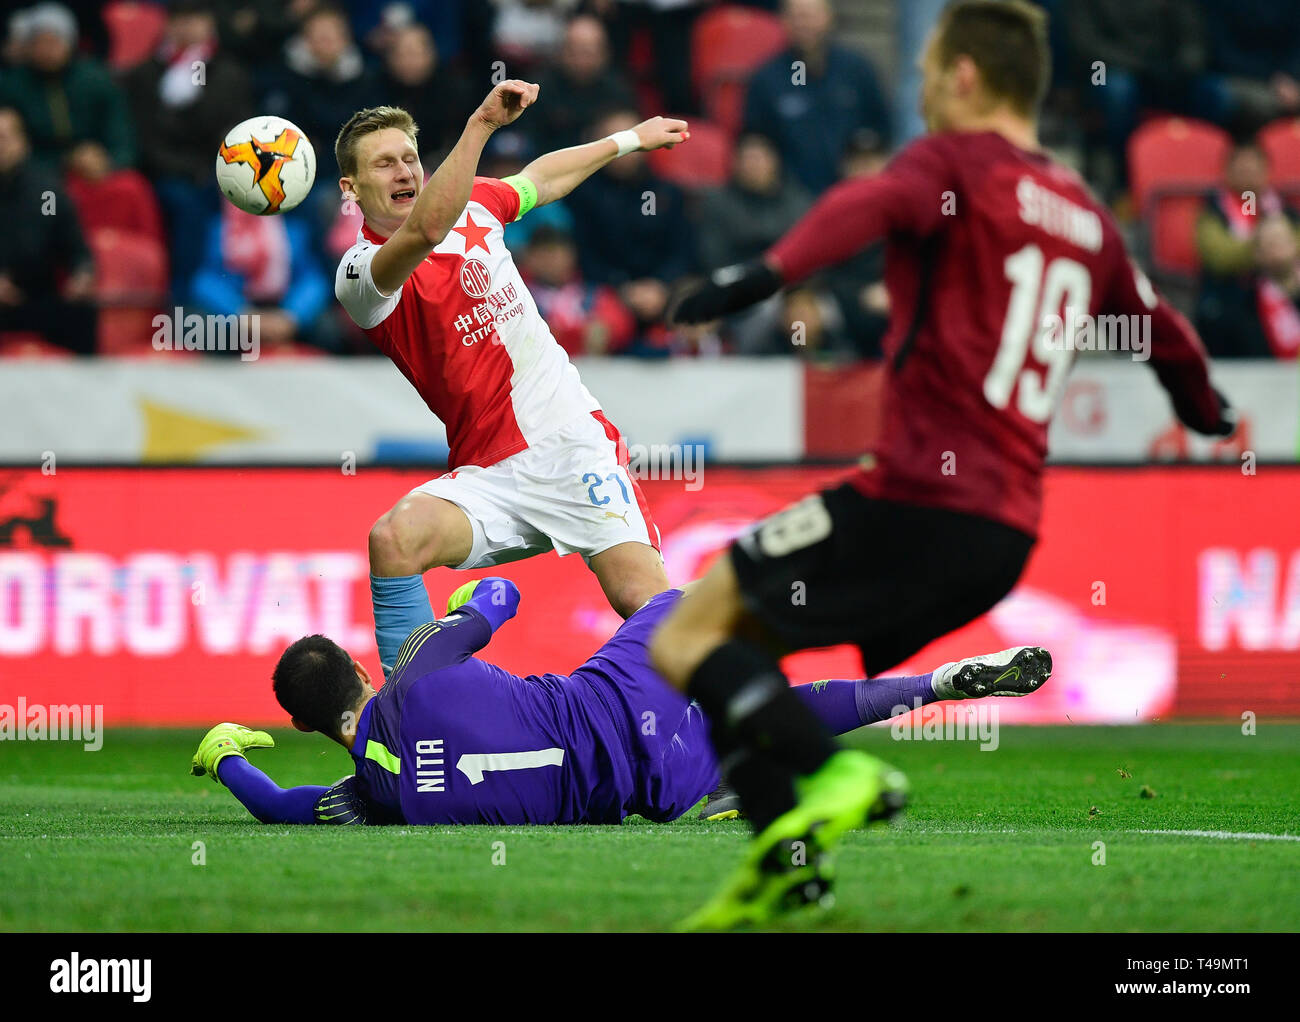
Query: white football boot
1013, 672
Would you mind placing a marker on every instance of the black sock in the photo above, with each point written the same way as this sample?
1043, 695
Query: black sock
765, 788
752, 709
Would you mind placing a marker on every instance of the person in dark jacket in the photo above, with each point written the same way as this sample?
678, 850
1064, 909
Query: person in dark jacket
632, 229
46, 271
742, 220
186, 97
325, 81
758, 205
1247, 283
66, 101
581, 87
1254, 71
814, 97
1131, 54
415, 79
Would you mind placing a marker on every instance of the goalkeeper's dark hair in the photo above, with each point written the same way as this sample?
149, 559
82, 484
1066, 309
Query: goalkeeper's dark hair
316, 682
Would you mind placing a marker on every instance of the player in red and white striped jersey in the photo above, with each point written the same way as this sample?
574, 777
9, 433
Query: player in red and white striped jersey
535, 464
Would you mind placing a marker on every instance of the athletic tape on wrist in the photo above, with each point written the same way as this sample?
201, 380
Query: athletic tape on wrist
627, 141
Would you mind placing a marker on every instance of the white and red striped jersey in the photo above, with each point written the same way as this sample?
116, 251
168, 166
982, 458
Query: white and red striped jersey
467, 334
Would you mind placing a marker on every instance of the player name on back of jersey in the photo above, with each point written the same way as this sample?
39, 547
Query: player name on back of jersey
429, 760
1045, 209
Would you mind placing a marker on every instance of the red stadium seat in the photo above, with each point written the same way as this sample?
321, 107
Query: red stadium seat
127, 330
124, 201
1174, 154
1281, 142
292, 350
702, 162
134, 30
725, 102
1171, 227
130, 269
1173, 162
16, 344
641, 66
728, 44
130, 284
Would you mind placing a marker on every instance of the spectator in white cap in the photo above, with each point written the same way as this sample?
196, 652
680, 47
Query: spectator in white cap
73, 109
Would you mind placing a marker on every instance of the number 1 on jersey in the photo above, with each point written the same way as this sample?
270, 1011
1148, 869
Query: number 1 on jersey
475, 765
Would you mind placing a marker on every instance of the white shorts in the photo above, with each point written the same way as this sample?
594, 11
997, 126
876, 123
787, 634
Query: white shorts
569, 492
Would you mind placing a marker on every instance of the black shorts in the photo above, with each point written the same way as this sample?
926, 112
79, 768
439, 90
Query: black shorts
841, 567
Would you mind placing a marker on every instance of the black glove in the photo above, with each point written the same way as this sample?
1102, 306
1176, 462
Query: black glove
724, 292
1227, 424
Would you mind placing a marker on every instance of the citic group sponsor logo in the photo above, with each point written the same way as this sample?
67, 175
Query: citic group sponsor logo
475, 280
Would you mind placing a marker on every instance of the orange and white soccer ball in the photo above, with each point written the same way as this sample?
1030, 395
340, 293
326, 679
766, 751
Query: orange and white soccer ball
266, 165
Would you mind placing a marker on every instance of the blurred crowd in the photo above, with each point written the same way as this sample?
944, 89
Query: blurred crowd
110, 116
1232, 67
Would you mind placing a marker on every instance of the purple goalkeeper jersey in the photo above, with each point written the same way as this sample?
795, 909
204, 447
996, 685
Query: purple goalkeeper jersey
450, 738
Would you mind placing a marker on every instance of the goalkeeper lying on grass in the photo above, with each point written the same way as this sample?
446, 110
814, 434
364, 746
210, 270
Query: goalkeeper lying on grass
451, 738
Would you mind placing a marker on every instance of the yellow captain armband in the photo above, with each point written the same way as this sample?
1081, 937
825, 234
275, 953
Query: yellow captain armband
527, 192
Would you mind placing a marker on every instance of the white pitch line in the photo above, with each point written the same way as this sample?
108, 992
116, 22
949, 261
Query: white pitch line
1222, 835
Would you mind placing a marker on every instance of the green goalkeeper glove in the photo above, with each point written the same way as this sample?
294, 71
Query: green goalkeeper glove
226, 740
461, 596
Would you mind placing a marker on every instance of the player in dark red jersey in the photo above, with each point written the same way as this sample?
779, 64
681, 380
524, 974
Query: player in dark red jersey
988, 241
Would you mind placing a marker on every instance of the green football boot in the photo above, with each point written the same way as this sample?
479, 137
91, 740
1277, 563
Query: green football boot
788, 865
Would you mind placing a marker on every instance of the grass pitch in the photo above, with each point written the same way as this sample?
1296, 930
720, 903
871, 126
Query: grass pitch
1002, 840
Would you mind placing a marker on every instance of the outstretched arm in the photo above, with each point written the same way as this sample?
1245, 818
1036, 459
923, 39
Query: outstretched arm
442, 200
474, 612
497, 599
265, 799
1176, 353
558, 173
909, 195
221, 756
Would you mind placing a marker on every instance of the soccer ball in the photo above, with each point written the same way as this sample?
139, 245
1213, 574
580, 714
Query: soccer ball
265, 165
